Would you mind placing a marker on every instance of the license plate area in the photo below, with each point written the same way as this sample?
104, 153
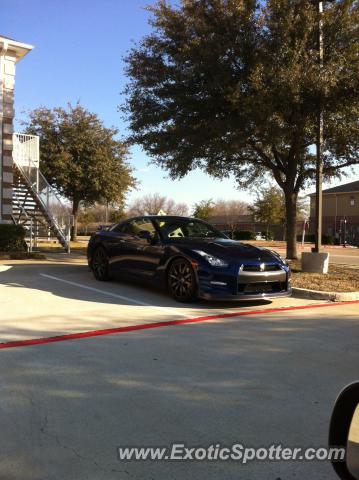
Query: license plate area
260, 287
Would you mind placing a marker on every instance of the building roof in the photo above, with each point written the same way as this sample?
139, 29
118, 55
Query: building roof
21, 49
7, 38
346, 188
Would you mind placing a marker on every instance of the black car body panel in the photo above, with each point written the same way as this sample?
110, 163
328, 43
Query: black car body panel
246, 272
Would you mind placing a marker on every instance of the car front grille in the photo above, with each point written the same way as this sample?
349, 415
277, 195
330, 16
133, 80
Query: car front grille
261, 287
270, 267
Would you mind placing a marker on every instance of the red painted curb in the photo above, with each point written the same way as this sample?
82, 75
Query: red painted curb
170, 323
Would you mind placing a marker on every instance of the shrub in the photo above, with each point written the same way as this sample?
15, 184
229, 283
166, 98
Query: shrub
244, 235
310, 237
269, 236
328, 239
12, 238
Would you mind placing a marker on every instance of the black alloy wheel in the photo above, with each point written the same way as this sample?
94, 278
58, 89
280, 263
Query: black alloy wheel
100, 265
181, 281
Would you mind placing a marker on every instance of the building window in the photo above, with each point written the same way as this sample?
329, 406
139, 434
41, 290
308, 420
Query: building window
352, 201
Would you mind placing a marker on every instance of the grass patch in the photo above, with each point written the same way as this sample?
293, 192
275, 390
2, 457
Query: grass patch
338, 279
22, 256
55, 247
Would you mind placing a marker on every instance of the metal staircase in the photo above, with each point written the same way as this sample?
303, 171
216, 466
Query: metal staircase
35, 204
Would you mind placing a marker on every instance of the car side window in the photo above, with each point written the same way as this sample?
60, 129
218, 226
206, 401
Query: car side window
133, 227
121, 228
144, 224
130, 228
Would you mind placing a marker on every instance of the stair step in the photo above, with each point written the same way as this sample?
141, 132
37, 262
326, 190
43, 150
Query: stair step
25, 200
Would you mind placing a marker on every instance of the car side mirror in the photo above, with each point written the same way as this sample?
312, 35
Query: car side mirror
344, 432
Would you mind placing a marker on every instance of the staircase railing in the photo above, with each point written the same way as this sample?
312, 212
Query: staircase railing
25, 147
31, 234
57, 212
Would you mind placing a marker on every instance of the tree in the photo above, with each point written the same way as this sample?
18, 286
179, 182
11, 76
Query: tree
117, 215
151, 204
230, 210
100, 214
80, 156
85, 218
269, 207
233, 86
203, 209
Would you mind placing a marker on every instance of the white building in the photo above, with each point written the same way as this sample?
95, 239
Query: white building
11, 52
26, 198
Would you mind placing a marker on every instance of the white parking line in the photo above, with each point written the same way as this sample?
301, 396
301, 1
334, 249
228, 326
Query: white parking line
5, 268
114, 295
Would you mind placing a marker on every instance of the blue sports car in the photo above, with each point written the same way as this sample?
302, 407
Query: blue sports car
189, 257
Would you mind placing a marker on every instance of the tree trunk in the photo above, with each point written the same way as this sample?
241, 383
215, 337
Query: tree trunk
291, 217
75, 210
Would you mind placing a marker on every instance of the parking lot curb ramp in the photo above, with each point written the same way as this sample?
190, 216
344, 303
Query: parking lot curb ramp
330, 296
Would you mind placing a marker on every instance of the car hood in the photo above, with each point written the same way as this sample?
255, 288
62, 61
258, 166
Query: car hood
226, 248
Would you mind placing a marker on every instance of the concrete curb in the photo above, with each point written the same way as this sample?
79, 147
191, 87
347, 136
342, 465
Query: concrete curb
331, 296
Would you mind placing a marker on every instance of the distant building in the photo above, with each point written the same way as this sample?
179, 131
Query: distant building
340, 212
231, 223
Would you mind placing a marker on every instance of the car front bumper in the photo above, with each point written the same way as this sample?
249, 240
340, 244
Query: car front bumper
235, 284
244, 298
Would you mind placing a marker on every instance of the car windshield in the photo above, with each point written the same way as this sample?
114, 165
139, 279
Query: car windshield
187, 228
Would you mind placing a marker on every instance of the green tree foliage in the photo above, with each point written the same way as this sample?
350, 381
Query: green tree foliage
80, 157
233, 86
203, 209
269, 206
85, 217
117, 215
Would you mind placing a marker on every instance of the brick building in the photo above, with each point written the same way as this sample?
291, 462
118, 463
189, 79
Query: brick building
340, 212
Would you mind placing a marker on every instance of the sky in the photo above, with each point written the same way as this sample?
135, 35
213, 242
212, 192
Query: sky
78, 55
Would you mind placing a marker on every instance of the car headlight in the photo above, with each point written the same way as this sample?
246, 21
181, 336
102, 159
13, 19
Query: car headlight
214, 261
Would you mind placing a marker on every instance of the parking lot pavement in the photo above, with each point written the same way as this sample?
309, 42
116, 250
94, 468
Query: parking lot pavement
270, 378
338, 256
45, 300
260, 379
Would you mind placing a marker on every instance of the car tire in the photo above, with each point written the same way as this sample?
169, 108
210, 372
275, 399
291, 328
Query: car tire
100, 265
181, 281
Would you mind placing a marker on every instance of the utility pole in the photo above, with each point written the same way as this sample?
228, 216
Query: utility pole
319, 146
317, 261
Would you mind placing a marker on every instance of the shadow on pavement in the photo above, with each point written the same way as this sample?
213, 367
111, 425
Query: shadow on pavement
66, 407
30, 276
